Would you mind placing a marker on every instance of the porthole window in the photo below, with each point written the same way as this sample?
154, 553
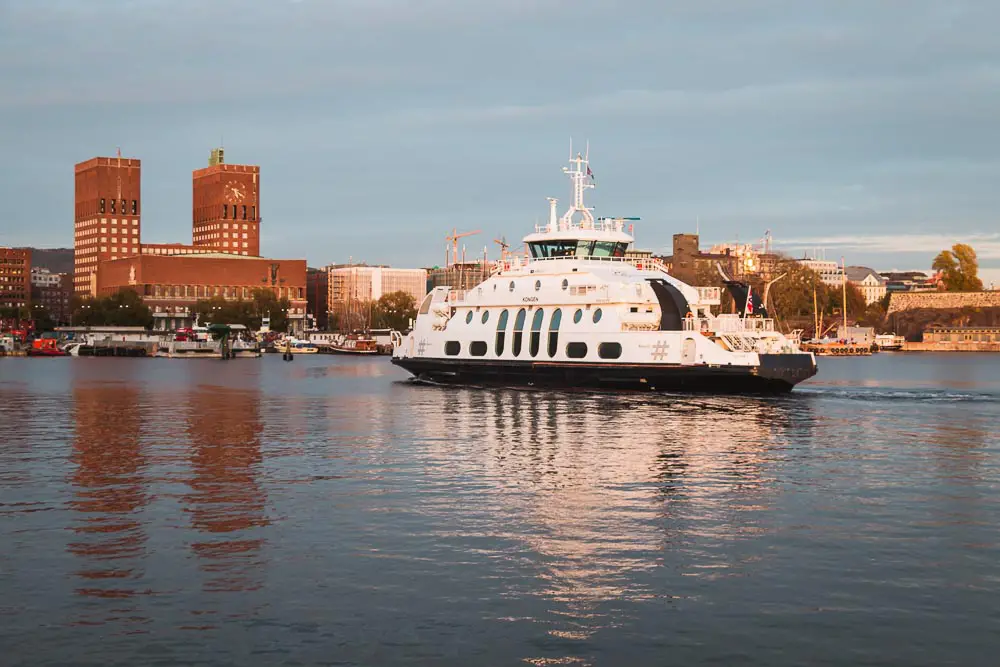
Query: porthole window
609, 350
477, 348
468, 318
486, 316
597, 315
452, 348
565, 284
538, 285
512, 286
577, 316
576, 350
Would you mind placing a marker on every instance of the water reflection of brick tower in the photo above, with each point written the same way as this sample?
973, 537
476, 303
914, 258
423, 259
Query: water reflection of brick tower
106, 220
226, 214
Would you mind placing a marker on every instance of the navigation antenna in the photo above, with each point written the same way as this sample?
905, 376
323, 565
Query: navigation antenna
583, 179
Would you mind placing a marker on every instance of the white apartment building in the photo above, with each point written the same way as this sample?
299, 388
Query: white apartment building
44, 278
829, 272
868, 281
360, 284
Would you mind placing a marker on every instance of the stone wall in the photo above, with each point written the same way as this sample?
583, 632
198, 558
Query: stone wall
900, 301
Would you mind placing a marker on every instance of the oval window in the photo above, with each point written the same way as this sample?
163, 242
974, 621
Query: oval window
577, 316
597, 315
565, 284
486, 316
538, 285
468, 317
512, 286
609, 350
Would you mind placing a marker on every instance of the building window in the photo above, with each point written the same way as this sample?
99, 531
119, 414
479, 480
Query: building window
123, 207
102, 205
253, 212
477, 348
554, 322
452, 348
609, 350
501, 332
135, 208
225, 211
234, 211
536, 332
518, 328
576, 350
244, 212
113, 205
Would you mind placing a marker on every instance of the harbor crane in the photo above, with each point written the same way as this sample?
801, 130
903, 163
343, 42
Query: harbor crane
453, 239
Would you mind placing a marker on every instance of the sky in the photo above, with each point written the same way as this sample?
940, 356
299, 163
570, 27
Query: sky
853, 128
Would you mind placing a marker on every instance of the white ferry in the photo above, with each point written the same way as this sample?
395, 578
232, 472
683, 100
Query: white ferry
578, 314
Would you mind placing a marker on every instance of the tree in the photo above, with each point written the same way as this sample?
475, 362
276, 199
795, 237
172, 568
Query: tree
394, 311
121, 309
263, 302
959, 269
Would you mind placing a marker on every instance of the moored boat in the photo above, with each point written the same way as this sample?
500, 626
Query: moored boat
354, 344
577, 313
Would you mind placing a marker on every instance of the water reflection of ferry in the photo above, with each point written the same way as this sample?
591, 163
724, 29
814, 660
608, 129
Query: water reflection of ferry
598, 504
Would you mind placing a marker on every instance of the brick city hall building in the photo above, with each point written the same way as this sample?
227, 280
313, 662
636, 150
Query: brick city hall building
222, 260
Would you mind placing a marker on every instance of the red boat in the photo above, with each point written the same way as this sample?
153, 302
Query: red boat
46, 347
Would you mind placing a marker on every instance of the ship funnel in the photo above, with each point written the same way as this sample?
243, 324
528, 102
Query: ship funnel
553, 215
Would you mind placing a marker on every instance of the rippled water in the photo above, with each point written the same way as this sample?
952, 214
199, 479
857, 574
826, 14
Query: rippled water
325, 512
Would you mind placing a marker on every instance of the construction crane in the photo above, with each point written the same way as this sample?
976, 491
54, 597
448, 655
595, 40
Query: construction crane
453, 239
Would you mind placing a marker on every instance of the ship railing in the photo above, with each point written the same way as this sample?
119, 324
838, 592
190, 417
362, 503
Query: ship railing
729, 324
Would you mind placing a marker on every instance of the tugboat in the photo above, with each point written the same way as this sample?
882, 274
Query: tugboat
577, 313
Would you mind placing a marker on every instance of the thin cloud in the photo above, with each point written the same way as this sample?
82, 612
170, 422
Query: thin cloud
987, 246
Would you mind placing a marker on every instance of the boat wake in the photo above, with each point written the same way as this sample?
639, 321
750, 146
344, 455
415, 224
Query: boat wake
897, 394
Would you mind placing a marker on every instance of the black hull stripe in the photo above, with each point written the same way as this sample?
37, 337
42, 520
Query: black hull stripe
775, 374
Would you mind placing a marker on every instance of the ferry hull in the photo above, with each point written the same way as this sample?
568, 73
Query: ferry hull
776, 374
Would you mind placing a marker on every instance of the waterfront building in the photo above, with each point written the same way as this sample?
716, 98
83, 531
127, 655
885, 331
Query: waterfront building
829, 271
107, 217
688, 262
871, 285
318, 296
909, 281
459, 275
172, 284
353, 287
966, 335
222, 260
226, 207
15, 277
52, 291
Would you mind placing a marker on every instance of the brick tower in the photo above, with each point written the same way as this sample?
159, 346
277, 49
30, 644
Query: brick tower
106, 220
226, 210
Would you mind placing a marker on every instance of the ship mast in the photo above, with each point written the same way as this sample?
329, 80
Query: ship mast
582, 178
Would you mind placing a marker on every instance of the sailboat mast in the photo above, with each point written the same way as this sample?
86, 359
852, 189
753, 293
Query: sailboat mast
815, 315
843, 284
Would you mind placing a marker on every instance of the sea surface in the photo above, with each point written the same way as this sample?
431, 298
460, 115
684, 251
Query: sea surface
325, 511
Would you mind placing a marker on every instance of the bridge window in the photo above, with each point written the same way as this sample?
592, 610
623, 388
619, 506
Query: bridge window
425, 307
597, 315
554, 331
536, 332
501, 332
576, 350
477, 348
518, 328
452, 348
609, 350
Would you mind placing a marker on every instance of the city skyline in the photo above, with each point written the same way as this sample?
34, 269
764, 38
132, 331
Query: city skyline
867, 131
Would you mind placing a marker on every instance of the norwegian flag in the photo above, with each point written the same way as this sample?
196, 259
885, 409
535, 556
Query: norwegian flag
591, 174
748, 308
